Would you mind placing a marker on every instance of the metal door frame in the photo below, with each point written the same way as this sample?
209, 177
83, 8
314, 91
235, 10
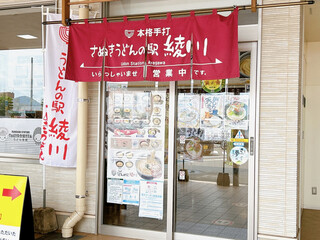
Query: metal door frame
252, 167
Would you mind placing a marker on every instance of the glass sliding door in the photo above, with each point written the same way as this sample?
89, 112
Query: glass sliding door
179, 157
135, 187
215, 121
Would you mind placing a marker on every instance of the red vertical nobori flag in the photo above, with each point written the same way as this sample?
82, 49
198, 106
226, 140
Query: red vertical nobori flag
85, 52
215, 46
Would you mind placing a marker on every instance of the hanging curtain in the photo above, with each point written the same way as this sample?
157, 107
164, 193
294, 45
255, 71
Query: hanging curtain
172, 49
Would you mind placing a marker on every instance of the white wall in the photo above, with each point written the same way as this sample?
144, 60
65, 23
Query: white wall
312, 126
128, 7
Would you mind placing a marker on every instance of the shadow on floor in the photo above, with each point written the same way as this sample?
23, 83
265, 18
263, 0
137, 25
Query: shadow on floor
57, 236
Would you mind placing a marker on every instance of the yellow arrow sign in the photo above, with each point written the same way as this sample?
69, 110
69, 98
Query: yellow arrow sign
12, 192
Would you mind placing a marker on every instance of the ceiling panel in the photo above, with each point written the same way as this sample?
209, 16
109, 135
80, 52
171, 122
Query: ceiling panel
14, 24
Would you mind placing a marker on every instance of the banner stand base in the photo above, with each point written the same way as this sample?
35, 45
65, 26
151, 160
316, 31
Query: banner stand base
45, 220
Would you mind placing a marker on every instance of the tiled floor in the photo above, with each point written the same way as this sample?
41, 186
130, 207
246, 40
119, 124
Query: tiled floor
207, 209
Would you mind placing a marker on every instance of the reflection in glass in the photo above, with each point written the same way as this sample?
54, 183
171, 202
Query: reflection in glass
21, 83
212, 158
21, 100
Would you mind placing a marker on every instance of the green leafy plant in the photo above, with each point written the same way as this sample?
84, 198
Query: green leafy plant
6, 104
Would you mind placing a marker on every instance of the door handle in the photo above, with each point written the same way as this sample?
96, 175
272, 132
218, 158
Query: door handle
251, 146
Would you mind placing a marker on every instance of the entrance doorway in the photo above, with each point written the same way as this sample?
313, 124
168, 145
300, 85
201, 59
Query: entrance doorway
179, 159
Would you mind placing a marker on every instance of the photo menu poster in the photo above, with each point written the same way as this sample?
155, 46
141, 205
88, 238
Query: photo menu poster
188, 110
237, 112
189, 131
212, 116
136, 137
136, 131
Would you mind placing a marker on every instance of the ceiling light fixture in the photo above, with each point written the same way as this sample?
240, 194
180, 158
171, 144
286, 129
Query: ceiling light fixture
26, 36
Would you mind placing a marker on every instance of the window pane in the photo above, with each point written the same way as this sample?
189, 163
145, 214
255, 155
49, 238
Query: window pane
21, 98
136, 155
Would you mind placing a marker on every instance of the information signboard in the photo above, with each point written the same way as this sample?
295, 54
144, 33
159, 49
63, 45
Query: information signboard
16, 219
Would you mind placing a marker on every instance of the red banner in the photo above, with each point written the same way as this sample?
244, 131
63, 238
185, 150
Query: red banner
173, 59
172, 49
215, 46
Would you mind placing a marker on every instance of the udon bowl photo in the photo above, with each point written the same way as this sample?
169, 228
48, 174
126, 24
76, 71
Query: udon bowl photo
194, 148
245, 60
148, 166
236, 111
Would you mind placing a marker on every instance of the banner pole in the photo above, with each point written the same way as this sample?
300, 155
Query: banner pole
44, 191
44, 186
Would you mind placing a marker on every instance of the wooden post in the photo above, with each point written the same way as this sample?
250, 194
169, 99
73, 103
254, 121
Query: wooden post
253, 5
65, 12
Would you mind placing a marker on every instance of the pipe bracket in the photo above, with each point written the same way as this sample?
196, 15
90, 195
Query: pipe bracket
80, 196
83, 100
84, 6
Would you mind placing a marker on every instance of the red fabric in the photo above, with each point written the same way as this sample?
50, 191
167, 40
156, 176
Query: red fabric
172, 58
126, 51
212, 40
85, 52
215, 46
